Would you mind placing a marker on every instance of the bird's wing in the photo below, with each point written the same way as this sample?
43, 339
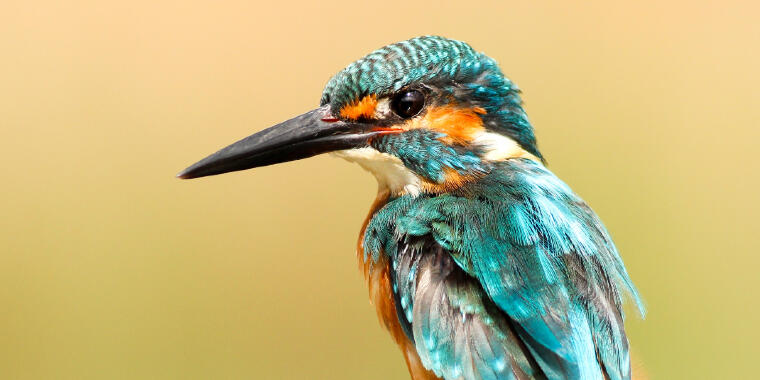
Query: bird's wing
459, 333
538, 253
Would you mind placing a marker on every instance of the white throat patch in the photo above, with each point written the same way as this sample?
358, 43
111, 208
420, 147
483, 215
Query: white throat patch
390, 172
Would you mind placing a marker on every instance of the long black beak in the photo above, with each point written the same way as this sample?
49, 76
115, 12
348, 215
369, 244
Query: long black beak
312, 133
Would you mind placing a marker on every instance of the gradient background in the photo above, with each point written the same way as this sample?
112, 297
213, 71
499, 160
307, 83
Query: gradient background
110, 268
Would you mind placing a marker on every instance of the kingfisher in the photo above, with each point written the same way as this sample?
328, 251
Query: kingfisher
481, 263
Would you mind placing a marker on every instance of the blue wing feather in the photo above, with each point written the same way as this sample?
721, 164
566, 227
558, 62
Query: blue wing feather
458, 331
535, 250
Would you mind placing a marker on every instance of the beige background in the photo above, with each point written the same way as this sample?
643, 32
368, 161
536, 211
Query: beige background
112, 269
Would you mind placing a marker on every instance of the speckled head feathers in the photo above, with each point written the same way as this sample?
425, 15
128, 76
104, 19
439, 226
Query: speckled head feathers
393, 67
453, 68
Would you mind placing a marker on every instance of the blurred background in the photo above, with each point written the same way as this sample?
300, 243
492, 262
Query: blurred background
110, 268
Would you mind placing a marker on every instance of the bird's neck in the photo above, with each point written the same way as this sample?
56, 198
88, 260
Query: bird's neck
396, 179
392, 176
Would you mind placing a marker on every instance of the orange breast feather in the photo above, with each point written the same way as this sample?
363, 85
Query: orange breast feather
381, 295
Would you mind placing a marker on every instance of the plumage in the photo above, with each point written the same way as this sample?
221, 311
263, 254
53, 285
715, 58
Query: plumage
524, 239
481, 263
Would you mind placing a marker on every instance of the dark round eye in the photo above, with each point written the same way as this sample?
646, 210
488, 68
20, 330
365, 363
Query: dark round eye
408, 103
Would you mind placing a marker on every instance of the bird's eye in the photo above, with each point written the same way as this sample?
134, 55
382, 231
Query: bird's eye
408, 103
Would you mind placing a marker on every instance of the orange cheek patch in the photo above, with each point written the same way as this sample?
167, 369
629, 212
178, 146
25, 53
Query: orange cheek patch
458, 124
363, 108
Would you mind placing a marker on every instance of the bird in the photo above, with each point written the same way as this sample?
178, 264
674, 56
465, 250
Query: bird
480, 262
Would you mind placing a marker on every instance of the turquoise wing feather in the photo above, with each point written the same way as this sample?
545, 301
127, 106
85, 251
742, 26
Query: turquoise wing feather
459, 332
526, 245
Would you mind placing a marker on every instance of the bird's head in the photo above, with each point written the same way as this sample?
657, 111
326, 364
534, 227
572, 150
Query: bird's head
426, 114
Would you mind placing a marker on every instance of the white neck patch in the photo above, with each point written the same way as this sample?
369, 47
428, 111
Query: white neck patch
390, 172
499, 147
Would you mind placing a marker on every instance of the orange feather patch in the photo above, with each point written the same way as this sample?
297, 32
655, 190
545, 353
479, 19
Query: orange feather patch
460, 125
452, 180
363, 108
381, 295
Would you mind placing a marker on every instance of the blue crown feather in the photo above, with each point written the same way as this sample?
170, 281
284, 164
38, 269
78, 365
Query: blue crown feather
452, 66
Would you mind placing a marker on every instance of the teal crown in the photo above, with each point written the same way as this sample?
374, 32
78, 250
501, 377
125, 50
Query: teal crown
453, 67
